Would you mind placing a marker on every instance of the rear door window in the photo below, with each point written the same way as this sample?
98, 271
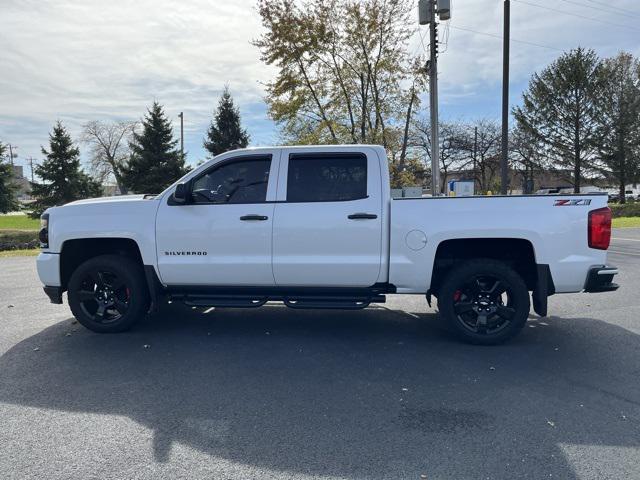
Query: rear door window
327, 178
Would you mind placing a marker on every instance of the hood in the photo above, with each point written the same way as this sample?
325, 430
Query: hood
118, 199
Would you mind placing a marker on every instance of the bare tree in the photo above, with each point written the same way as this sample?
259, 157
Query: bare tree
528, 156
109, 148
483, 153
453, 152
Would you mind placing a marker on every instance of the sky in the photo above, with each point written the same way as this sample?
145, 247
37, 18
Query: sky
82, 60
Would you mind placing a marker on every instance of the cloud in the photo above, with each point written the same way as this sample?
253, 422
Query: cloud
84, 60
80, 60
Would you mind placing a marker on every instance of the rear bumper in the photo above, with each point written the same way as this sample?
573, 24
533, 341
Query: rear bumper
599, 279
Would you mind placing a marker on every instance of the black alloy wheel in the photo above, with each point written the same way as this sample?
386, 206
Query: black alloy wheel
484, 304
104, 296
485, 301
108, 293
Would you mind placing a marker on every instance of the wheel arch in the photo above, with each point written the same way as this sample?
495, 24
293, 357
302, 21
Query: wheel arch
518, 253
74, 252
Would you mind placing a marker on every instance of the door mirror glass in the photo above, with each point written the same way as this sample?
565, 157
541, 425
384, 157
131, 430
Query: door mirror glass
182, 193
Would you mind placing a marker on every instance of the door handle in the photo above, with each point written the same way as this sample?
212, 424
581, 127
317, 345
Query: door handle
362, 216
254, 217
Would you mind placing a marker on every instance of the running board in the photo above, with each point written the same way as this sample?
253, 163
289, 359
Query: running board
344, 303
298, 301
239, 301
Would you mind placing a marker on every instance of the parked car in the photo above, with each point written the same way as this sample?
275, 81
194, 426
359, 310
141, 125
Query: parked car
315, 227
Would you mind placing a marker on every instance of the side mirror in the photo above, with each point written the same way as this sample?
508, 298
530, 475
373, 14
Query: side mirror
182, 193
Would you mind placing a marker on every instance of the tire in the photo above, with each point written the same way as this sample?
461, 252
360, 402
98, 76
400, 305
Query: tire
108, 294
485, 302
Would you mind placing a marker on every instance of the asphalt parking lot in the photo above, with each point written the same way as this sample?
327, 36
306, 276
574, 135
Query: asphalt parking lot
272, 393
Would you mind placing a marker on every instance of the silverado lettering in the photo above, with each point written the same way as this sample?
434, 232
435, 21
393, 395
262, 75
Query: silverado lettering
185, 253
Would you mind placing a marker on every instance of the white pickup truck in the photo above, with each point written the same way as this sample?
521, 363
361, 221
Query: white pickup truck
316, 227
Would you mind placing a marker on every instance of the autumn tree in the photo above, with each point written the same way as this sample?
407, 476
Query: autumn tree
344, 74
155, 163
63, 180
225, 131
109, 142
560, 109
617, 138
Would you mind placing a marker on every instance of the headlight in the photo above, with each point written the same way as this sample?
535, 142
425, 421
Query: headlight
43, 235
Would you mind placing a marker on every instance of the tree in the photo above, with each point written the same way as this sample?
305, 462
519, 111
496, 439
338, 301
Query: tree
482, 152
8, 201
559, 109
617, 136
225, 132
344, 72
62, 179
109, 149
155, 163
527, 156
453, 151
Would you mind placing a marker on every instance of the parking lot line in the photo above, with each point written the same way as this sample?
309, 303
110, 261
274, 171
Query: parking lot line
624, 253
628, 239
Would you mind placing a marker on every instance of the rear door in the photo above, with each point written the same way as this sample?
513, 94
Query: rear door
327, 228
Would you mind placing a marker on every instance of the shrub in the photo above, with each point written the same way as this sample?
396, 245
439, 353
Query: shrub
631, 209
18, 239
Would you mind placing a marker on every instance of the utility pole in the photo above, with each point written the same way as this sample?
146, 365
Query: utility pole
504, 165
31, 165
433, 100
427, 10
181, 134
11, 147
475, 152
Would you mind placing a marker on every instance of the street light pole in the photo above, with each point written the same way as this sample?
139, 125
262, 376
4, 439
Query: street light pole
504, 165
181, 134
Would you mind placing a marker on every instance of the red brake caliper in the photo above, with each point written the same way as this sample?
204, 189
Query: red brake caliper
456, 295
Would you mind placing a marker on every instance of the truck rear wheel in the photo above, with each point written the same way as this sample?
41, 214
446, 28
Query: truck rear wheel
485, 301
108, 293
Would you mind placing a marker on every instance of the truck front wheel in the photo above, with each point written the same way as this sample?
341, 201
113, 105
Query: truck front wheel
485, 301
108, 293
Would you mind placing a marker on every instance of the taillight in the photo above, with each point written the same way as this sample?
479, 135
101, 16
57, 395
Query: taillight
600, 228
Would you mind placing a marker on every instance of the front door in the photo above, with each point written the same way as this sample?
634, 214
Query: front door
327, 227
223, 236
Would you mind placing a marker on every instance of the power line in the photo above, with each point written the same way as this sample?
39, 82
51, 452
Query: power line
500, 37
601, 9
632, 12
578, 16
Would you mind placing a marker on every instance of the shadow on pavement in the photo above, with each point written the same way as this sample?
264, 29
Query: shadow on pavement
369, 394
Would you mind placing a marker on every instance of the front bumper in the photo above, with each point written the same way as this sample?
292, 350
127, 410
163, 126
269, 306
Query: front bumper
599, 279
48, 265
54, 294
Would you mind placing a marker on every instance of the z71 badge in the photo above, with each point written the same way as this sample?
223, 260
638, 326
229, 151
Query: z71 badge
568, 202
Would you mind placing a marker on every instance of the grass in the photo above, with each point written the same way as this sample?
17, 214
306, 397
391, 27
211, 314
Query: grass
18, 222
20, 253
626, 222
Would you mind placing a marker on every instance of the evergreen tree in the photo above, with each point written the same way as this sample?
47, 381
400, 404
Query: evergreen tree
62, 179
225, 132
8, 201
618, 120
155, 163
559, 109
